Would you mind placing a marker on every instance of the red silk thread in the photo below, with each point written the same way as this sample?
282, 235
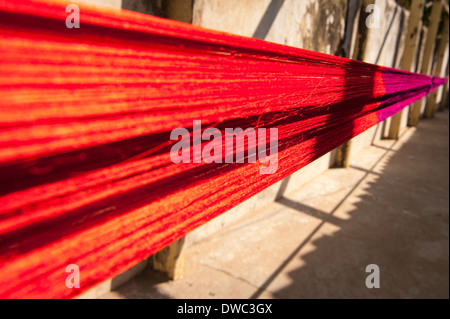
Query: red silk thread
85, 119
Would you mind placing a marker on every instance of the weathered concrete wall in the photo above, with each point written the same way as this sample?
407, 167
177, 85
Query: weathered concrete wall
309, 24
104, 3
423, 40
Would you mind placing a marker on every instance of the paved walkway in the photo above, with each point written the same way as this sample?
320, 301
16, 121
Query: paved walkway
390, 208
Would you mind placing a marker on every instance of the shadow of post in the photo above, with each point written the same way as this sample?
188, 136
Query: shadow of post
267, 20
399, 229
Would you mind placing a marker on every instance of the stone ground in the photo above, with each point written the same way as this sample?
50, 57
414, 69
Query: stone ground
390, 208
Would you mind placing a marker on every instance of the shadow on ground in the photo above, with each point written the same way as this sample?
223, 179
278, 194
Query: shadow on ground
399, 222
395, 215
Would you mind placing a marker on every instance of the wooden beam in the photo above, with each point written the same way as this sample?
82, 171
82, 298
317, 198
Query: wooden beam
170, 260
343, 154
446, 8
409, 53
413, 37
356, 52
444, 99
416, 107
180, 10
441, 54
435, 19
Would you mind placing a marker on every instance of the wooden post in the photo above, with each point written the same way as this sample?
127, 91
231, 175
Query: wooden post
343, 154
414, 111
180, 10
444, 96
428, 55
435, 19
170, 260
441, 52
410, 51
356, 52
444, 99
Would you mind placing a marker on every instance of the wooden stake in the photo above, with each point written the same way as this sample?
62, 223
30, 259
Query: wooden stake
410, 51
444, 99
170, 260
416, 107
441, 53
435, 19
